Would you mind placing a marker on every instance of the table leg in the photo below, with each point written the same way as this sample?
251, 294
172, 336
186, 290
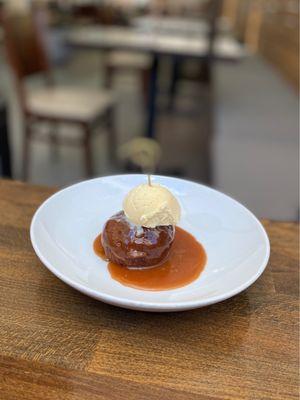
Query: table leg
209, 116
150, 130
174, 81
5, 160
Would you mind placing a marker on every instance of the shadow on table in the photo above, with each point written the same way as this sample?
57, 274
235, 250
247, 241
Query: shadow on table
224, 324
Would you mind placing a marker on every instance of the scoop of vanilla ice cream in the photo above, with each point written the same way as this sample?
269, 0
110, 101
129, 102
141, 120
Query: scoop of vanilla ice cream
151, 206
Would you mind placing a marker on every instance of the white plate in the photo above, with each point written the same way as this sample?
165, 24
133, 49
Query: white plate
64, 227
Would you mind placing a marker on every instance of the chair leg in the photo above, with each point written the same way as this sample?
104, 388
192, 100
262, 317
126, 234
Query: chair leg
26, 151
111, 132
87, 150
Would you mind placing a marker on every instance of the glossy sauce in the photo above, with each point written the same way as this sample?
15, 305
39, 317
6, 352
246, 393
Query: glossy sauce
186, 261
135, 246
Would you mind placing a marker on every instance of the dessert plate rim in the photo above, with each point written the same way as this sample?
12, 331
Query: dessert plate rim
143, 305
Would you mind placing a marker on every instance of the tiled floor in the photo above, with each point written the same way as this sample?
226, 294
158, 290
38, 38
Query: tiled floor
255, 144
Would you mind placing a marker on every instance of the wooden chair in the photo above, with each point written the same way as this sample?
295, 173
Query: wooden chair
82, 107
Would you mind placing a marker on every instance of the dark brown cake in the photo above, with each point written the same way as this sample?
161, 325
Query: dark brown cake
132, 246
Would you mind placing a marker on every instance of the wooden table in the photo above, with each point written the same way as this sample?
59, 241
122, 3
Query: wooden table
55, 343
173, 24
226, 48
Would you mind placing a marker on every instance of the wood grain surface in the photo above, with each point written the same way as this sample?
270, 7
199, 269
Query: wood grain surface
56, 343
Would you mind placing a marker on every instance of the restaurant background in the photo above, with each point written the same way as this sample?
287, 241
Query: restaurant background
229, 120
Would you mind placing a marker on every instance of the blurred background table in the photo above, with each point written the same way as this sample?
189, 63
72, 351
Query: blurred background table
193, 43
56, 343
225, 47
175, 24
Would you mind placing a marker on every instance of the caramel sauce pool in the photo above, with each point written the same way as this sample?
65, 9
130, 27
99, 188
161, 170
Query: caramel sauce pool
186, 261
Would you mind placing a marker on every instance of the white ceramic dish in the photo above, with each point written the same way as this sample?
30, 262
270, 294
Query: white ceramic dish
64, 227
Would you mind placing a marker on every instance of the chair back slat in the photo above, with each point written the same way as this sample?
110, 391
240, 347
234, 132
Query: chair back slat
24, 45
